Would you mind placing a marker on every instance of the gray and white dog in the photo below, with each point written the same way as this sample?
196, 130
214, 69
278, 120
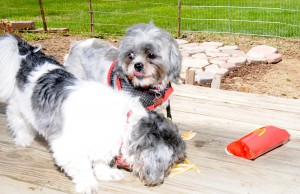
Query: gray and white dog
86, 123
145, 63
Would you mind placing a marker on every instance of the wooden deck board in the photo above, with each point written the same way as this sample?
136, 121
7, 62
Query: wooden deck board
218, 117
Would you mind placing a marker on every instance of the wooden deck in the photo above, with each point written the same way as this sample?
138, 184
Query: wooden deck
218, 117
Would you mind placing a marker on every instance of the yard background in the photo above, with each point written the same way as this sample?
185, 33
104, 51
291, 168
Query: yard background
277, 18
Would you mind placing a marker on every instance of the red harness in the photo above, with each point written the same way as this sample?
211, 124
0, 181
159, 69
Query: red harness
158, 100
120, 162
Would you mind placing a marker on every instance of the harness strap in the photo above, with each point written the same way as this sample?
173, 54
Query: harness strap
120, 162
169, 115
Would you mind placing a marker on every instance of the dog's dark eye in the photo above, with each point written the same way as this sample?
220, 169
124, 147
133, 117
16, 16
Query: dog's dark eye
151, 56
130, 56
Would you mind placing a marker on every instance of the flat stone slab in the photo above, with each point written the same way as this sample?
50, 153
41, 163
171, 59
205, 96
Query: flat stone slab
204, 77
218, 60
195, 62
194, 50
255, 58
181, 41
274, 58
188, 45
215, 69
211, 50
228, 66
212, 44
199, 55
262, 49
218, 54
232, 47
234, 52
237, 61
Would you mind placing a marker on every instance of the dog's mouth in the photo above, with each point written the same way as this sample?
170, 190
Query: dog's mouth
138, 75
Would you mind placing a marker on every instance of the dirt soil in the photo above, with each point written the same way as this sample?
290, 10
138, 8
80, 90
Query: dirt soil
281, 79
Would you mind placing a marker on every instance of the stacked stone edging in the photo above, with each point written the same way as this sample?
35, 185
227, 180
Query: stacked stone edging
209, 59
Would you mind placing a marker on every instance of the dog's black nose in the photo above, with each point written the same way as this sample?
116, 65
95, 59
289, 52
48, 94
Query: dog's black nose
138, 66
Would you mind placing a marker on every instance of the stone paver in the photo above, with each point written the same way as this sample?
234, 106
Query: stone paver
274, 58
199, 55
204, 77
212, 44
195, 62
263, 49
181, 41
229, 66
258, 54
237, 61
231, 47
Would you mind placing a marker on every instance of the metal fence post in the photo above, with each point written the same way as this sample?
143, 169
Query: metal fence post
43, 16
179, 19
91, 16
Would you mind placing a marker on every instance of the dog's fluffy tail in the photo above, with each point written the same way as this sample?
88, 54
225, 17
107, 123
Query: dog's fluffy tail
10, 61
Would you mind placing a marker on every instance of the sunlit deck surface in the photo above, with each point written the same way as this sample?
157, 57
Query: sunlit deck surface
219, 117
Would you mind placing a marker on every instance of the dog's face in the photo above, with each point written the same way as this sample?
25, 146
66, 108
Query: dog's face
155, 146
149, 56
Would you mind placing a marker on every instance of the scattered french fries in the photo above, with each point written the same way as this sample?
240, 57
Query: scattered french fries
186, 165
183, 167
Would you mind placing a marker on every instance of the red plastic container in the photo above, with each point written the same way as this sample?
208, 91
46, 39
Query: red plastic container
258, 142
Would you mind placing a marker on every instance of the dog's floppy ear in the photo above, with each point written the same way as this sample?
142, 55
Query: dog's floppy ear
156, 146
152, 162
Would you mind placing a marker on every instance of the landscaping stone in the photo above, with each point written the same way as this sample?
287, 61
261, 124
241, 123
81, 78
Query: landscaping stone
262, 49
255, 57
195, 50
229, 66
233, 47
217, 54
237, 61
218, 60
185, 53
211, 50
204, 77
274, 58
199, 55
215, 69
188, 45
212, 44
181, 41
234, 53
195, 63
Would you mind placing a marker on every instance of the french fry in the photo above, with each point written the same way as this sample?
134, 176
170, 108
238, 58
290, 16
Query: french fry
188, 135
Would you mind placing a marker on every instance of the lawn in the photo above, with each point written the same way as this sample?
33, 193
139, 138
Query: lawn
259, 17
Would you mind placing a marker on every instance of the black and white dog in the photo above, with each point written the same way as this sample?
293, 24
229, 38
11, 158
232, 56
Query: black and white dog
145, 63
86, 124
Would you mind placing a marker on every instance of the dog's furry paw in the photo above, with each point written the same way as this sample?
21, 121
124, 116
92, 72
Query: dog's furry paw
23, 140
111, 175
87, 186
105, 173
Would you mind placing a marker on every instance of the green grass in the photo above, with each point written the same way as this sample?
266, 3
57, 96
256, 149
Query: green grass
112, 17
